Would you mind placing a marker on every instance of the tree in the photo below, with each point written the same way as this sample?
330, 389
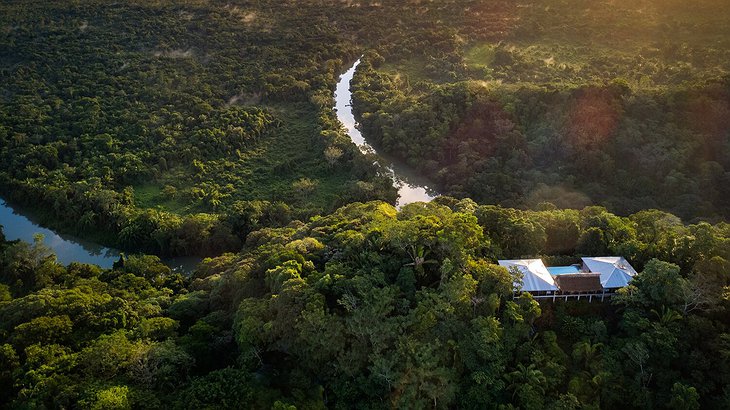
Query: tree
659, 285
112, 398
684, 397
527, 386
44, 330
28, 266
303, 187
588, 355
592, 243
9, 363
227, 387
110, 355
332, 154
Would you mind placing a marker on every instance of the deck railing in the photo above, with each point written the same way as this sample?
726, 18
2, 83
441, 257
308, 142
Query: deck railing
600, 297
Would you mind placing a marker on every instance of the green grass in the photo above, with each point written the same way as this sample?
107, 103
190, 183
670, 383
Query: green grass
148, 196
151, 196
412, 70
293, 152
266, 171
416, 69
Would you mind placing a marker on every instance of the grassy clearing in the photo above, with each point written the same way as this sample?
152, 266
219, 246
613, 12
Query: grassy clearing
293, 152
417, 69
571, 42
268, 170
154, 196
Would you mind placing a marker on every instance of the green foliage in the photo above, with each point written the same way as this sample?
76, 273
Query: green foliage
202, 128
621, 104
684, 397
111, 398
140, 125
393, 308
378, 307
227, 388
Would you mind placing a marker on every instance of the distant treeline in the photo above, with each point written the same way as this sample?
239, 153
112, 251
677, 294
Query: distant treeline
618, 103
148, 124
591, 144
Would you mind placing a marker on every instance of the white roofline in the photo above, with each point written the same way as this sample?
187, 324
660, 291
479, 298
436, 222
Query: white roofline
616, 271
536, 277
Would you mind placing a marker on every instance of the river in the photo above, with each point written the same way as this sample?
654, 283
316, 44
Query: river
411, 187
18, 224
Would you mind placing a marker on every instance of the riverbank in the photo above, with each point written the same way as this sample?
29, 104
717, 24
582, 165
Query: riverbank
411, 187
20, 225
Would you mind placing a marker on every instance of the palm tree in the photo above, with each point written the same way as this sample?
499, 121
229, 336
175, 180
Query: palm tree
526, 376
587, 353
667, 316
418, 255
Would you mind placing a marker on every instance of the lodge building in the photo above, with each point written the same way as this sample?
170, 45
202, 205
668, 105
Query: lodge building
595, 278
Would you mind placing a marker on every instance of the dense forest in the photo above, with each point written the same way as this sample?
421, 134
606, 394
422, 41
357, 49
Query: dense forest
370, 307
150, 126
555, 129
622, 103
147, 125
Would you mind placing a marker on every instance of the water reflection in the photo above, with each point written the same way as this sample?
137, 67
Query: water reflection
69, 248
411, 187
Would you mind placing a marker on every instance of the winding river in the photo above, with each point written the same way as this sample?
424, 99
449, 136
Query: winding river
411, 187
18, 224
